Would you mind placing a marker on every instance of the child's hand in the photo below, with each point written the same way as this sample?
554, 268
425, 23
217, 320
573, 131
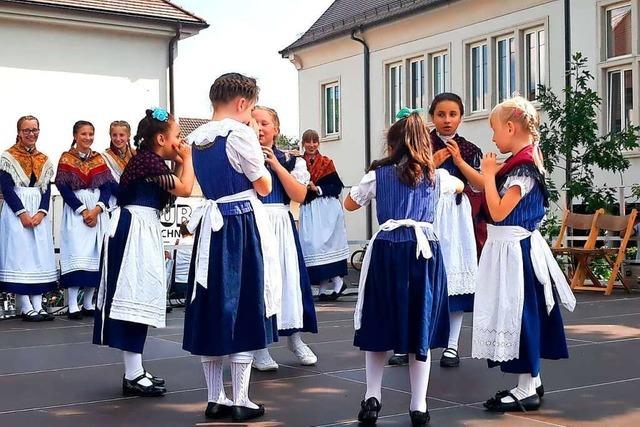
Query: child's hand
440, 156
183, 151
452, 147
270, 158
489, 165
37, 219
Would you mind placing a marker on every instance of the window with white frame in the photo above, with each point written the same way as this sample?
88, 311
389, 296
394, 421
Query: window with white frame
620, 98
416, 75
331, 108
439, 73
396, 88
618, 30
534, 62
479, 73
505, 67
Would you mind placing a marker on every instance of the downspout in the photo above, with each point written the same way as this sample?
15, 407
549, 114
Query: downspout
567, 83
172, 56
367, 117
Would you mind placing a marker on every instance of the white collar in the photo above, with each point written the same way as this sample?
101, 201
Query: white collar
208, 132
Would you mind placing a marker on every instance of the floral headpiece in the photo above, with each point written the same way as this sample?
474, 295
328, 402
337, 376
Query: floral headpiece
160, 114
406, 112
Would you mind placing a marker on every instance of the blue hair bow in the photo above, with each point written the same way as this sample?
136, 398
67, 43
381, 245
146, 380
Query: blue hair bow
406, 112
160, 114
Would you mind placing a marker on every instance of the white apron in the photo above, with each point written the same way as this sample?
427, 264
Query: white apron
292, 310
323, 235
422, 249
38, 265
183, 260
499, 299
454, 227
80, 245
141, 293
208, 215
116, 172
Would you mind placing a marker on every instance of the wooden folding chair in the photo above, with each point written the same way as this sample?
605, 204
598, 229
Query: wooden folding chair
582, 222
623, 226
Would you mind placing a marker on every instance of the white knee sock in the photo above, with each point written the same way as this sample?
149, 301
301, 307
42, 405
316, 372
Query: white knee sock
526, 387
337, 284
73, 299
25, 303
36, 301
374, 368
213, 375
455, 324
326, 287
419, 376
262, 356
295, 340
133, 367
240, 375
537, 380
87, 300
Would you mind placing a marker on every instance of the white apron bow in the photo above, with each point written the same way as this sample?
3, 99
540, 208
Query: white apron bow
208, 215
422, 248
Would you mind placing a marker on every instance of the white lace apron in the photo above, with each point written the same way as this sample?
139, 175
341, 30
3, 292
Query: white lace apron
499, 298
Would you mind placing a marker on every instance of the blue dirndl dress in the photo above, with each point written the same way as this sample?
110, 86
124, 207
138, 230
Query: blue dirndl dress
228, 316
272, 202
405, 306
542, 335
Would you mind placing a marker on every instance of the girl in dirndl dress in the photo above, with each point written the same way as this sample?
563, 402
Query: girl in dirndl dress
323, 235
290, 177
402, 299
25, 179
118, 154
458, 223
235, 283
85, 183
132, 294
516, 315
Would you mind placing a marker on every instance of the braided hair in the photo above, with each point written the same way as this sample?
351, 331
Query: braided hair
148, 128
76, 128
520, 111
231, 85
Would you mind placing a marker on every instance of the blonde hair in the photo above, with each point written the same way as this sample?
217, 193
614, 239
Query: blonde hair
120, 123
274, 117
521, 112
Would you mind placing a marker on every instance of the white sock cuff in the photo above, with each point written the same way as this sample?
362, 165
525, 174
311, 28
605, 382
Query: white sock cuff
242, 357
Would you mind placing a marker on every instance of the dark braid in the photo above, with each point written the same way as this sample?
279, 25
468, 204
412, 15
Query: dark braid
148, 128
231, 85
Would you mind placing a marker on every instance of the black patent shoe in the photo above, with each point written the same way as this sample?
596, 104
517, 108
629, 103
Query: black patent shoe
242, 413
133, 388
398, 360
369, 410
76, 315
419, 419
31, 316
217, 410
46, 317
87, 313
450, 362
540, 390
495, 404
155, 380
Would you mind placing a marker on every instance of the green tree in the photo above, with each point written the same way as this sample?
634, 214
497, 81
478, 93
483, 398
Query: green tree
570, 140
285, 142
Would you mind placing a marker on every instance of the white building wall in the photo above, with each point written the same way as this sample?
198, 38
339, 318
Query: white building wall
62, 72
452, 27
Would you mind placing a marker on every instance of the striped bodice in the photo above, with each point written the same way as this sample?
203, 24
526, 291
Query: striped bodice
217, 178
528, 212
396, 200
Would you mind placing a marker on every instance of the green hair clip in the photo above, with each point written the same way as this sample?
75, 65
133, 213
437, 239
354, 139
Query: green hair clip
406, 112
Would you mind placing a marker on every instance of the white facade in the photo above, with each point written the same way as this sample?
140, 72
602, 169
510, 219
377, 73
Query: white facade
455, 29
61, 68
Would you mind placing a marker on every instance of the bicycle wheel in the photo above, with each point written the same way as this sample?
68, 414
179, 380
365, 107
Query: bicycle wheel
356, 259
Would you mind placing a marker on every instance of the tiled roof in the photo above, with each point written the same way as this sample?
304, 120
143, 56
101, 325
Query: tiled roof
188, 125
345, 15
159, 10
